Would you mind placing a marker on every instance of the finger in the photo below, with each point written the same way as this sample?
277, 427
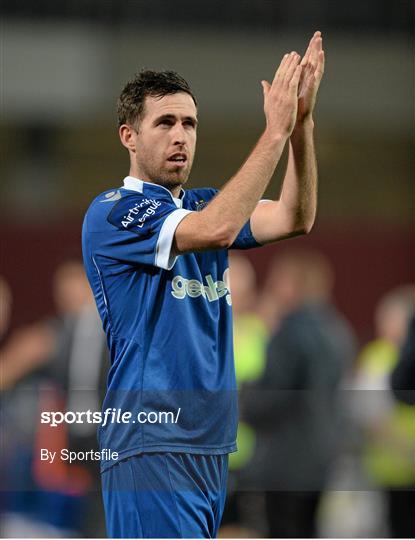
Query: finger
303, 74
310, 80
283, 62
292, 66
282, 71
315, 50
314, 76
295, 79
319, 72
265, 87
308, 72
310, 45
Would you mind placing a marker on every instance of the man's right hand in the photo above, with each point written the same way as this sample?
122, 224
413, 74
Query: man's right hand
280, 97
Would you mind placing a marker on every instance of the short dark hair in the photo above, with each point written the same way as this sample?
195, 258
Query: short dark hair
130, 105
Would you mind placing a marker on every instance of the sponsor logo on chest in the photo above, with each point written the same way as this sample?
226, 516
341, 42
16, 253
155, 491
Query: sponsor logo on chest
213, 290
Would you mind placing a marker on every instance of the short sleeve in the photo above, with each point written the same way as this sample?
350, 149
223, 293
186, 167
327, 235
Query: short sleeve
245, 238
141, 231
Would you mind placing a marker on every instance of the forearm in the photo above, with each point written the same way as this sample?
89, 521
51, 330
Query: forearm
294, 211
226, 214
298, 197
237, 200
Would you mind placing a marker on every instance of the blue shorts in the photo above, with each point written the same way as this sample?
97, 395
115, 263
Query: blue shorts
165, 495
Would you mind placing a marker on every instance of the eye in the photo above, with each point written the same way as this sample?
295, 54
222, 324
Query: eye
165, 122
189, 123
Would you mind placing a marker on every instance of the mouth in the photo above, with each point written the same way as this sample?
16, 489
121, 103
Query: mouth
179, 159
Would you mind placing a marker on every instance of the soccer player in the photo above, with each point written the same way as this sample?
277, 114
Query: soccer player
156, 258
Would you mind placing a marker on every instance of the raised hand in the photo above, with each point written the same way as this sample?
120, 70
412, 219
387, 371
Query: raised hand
312, 72
281, 97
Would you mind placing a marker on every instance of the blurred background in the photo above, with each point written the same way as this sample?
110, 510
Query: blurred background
63, 66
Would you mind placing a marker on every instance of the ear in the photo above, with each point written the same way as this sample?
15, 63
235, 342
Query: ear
128, 137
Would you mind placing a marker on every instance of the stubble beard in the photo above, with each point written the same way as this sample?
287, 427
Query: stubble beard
169, 180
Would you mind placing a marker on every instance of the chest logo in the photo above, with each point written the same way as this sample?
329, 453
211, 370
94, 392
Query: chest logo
213, 290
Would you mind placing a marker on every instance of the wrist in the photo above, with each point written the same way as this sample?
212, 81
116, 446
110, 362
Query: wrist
273, 139
304, 123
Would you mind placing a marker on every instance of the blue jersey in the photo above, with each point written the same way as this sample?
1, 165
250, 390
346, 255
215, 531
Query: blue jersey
168, 322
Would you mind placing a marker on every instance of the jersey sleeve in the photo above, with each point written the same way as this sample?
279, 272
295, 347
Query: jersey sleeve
245, 238
140, 231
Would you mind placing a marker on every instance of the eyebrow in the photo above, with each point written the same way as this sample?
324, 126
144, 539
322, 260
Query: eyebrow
173, 117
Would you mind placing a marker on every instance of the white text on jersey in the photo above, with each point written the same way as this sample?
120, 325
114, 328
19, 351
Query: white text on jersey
193, 288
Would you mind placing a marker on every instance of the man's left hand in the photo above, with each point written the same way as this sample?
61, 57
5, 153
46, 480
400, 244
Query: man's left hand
312, 73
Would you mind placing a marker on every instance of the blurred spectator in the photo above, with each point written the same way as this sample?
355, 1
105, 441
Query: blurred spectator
241, 517
389, 426
403, 376
32, 347
27, 350
80, 362
71, 291
78, 369
24, 352
294, 404
249, 330
56, 364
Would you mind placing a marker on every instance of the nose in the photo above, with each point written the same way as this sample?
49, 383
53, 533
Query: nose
178, 134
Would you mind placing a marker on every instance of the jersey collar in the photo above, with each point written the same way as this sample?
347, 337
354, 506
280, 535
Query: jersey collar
135, 184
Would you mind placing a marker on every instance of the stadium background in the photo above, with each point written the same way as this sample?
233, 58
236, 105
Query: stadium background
64, 63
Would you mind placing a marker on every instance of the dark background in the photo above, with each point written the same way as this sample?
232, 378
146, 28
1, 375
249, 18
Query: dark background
64, 64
